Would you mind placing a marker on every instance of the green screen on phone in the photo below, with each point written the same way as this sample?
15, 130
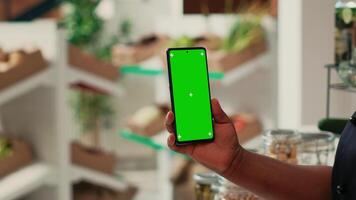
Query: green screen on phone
190, 94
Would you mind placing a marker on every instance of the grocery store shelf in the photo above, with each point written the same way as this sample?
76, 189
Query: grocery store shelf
25, 86
154, 142
246, 69
110, 87
24, 181
138, 70
157, 142
111, 181
143, 71
226, 78
343, 87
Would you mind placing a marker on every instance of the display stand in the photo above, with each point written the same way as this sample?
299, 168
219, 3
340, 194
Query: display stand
334, 86
38, 110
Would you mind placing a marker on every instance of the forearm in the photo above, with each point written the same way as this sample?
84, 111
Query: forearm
272, 179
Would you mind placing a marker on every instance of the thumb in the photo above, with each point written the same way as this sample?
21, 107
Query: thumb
218, 113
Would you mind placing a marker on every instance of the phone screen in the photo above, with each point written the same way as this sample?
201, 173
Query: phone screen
190, 94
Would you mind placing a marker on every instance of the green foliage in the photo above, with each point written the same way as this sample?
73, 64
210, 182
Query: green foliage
5, 148
244, 32
183, 41
82, 22
85, 29
102, 47
91, 108
126, 30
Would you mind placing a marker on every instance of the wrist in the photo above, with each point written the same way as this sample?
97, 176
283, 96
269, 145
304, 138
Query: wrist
236, 164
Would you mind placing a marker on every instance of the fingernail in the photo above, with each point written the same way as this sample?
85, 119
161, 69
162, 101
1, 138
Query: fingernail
171, 140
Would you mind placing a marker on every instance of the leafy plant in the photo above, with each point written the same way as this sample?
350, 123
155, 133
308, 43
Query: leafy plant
5, 148
93, 111
82, 22
243, 33
183, 41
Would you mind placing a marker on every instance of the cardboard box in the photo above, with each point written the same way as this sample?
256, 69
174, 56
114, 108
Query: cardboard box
132, 54
25, 65
89, 63
223, 61
20, 156
93, 158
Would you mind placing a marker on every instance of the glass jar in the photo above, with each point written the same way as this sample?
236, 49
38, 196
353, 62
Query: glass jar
282, 145
317, 148
345, 30
347, 70
204, 185
230, 191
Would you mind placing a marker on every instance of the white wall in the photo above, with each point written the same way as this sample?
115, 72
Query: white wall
306, 44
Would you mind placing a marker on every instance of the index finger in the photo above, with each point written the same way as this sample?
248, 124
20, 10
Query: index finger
169, 121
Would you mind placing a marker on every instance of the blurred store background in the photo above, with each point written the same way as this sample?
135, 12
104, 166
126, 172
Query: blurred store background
84, 91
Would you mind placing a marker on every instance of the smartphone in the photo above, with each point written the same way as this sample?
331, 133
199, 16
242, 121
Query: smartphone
190, 95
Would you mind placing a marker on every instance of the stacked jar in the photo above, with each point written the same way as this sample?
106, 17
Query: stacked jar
317, 148
283, 145
204, 185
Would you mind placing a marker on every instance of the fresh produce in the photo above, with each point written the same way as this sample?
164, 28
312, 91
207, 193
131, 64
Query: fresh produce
243, 33
5, 148
183, 41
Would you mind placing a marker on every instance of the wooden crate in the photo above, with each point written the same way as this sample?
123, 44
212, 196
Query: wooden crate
130, 55
225, 61
88, 191
84, 61
153, 127
28, 64
93, 158
20, 156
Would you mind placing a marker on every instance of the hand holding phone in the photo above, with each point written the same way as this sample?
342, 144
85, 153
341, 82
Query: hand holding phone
219, 155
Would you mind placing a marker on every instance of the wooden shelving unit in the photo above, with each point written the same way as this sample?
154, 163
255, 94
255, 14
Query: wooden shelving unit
82, 173
24, 181
38, 110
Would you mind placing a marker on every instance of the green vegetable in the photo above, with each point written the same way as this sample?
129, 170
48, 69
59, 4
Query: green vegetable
5, 148
183, 41
243, 33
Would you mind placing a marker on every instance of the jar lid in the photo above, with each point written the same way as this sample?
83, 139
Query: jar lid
207, 178
281, 134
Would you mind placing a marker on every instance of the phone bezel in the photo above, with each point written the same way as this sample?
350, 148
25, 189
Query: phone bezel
172, 95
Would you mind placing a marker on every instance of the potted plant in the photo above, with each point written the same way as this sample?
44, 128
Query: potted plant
94, 113
84, 28
245, 41
14, 154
